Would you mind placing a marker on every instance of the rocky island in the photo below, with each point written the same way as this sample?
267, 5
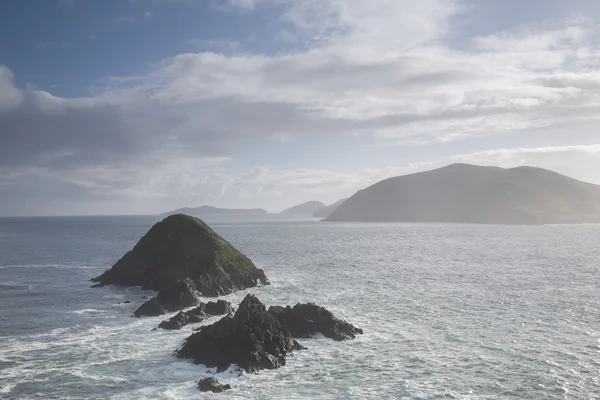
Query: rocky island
182, 258
179, 256
255, 338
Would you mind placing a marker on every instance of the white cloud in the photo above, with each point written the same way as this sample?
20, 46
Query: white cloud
9, 95
383, 72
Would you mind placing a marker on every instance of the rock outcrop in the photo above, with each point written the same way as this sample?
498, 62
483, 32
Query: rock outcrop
220, 307
304, 320
253, 339
182, 319
198, 314
212, 385
184, 248
172, 298
151, 308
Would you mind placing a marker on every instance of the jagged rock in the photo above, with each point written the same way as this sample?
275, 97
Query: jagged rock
253, 339
200, 310
212, 385
220, 307
304, 320
182, 247
182, 319
151, 308
172, 298
180, 295
127, 302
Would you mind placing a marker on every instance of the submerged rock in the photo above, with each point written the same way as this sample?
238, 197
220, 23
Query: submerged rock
172, 298
182, 319
304, 320
212, 385
182, 247
253, 339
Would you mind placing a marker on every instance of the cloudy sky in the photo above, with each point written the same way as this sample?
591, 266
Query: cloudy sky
140, 106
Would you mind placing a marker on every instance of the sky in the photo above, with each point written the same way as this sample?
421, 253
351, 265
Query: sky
143, 106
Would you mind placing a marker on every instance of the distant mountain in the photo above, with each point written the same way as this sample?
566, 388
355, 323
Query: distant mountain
210, 210
465, 193
308, 209
327, 210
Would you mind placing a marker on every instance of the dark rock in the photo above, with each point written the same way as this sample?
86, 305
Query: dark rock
172, 298
221, 307
151, 308
126, 302
177, 296
304, 320
182, 247
200, 310
212, 385
180, 320
253, 339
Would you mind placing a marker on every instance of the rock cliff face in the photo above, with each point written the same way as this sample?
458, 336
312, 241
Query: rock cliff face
184, 248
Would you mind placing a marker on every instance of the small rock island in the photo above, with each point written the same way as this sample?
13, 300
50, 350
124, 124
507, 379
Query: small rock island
182, 258
256, 338
179, 255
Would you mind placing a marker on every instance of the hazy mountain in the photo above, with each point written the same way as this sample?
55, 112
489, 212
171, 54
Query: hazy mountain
474, 194
309, 208
210, 210
327, 210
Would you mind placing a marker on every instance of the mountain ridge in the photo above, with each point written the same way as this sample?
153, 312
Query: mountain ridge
308, 208
328, 210
210, 210
465, 193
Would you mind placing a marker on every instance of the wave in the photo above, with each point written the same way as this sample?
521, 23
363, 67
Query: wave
61, 266
86, 311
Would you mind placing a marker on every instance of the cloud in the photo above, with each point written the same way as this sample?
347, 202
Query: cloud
383, 72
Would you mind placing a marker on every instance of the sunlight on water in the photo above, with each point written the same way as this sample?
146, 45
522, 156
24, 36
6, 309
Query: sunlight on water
449, 311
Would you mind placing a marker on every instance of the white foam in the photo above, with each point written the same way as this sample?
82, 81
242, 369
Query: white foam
87, 311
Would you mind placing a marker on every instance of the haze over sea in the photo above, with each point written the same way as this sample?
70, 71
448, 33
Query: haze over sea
449, 311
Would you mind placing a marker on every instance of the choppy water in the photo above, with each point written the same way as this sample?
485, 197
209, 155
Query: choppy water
449, 311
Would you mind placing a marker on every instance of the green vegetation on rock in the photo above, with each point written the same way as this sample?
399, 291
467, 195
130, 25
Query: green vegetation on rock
184, 247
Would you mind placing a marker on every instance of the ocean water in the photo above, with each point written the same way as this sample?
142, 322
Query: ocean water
449, 312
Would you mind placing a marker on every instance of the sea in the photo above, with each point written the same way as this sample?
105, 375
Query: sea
448, 311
